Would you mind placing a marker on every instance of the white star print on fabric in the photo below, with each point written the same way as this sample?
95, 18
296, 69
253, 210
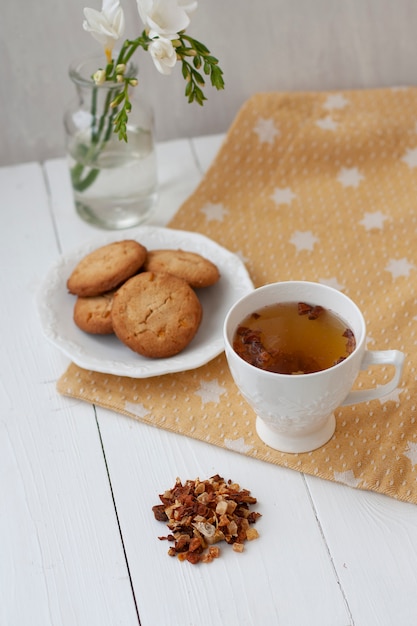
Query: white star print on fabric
331, 282
369, 339
327, 123
411, 452
303, 240
283, 195
410, 157
350, 176
336, 101
347, 478
210, 391
394, 396
214, 212
136, 409
399, 267
266, 130
373, 220
238, 445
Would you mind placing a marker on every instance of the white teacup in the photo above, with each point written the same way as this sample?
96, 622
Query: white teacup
295, 412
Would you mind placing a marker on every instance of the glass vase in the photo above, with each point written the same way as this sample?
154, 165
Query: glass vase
114, 182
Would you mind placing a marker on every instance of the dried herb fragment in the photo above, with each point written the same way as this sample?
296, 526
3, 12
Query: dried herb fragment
303, 308
313, 312
351, 341
202, 513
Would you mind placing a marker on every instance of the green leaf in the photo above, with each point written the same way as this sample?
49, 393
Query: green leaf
217, 77
120, 124
188, 88
199, 95
185, 70
197, 45
211, 60
198, 78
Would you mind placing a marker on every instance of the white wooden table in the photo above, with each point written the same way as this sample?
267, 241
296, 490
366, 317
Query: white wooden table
78, 541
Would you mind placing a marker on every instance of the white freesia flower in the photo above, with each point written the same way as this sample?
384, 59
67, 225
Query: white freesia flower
163, 54
163, 36
107, 25
189, 6
164, 18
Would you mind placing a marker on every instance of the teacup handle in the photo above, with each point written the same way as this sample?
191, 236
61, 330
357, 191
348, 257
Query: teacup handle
378, 357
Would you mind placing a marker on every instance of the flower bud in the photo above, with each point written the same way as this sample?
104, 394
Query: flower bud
120, 68
118, 99
133, 82
99, 77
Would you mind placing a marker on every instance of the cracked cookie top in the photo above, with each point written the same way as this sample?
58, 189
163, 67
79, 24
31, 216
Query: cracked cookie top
156, 314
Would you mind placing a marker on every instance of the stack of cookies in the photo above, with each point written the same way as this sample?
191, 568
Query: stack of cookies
146, 298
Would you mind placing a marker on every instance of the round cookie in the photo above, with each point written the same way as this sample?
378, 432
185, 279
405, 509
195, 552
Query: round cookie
155, 314
106, 268
92, 314
192, 267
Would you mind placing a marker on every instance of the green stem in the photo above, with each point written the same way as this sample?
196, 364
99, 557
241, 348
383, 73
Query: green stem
93, 110
100, 131
83, 184
103, 116
80, 180
130, 46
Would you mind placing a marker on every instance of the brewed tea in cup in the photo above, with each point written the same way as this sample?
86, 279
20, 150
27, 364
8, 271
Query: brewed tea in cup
293, 338
294, 350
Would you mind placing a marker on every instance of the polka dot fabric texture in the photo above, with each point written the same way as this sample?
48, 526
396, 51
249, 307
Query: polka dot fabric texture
319, 187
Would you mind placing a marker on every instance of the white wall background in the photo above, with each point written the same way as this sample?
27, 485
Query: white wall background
262, 45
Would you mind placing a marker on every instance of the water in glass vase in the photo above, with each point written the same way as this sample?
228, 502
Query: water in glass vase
114, 184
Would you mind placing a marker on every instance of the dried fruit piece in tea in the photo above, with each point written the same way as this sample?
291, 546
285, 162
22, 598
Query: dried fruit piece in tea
202, 513
312, 311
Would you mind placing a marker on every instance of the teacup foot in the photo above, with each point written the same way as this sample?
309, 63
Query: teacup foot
297, 443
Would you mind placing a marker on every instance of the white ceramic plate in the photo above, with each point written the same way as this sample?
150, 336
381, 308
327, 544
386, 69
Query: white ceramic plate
106, 353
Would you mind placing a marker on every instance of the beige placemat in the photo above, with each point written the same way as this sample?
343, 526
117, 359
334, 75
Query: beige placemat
306, 186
